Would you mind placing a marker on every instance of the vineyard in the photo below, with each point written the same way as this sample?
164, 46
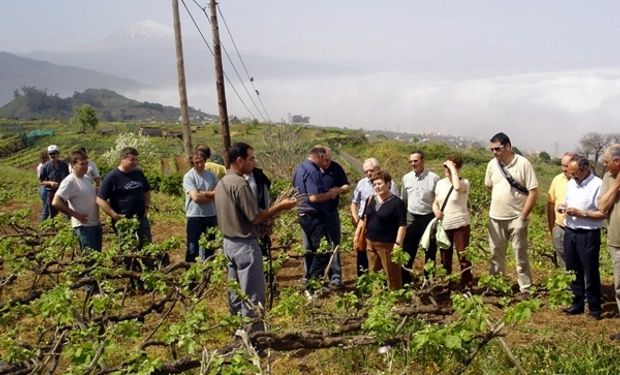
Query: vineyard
63, 311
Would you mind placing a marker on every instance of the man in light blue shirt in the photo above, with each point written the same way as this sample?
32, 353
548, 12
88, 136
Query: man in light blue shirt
199, 185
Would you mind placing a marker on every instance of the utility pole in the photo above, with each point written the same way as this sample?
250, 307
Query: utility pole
187, 131
219, 80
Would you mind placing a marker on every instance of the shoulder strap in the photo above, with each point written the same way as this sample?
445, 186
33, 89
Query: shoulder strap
445, 201
511, 180
366, 206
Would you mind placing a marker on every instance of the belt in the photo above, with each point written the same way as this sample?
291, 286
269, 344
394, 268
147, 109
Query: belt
581, 230
420, 215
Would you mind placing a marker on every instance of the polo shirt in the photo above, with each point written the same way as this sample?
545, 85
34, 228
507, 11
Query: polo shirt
236, 207
506, 201
307, 180
419, 191
333, 176
613, 216
583, 196
557, 196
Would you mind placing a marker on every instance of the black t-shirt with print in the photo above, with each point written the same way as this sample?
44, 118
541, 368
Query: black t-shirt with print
125, 192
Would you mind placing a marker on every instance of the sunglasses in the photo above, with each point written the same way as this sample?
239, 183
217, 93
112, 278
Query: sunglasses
497, 148
52, 153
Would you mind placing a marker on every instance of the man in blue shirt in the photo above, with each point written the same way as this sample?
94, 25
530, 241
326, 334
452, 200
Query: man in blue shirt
313, 210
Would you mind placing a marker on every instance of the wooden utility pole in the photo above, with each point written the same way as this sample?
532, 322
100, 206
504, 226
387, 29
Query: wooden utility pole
187, 131
219, 80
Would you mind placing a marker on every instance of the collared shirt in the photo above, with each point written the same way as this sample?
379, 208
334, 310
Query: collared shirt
557, 196
419, 191
307, 180
506, 201
583, 196
364, 189
333, 176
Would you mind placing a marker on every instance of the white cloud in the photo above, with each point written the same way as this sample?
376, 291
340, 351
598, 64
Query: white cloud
536, 110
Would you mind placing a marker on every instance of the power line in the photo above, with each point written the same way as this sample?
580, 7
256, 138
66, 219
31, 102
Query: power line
250, 78
233, 66
213, 53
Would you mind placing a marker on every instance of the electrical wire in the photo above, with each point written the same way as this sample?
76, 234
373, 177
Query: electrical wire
250, 77
213, 53
203, 8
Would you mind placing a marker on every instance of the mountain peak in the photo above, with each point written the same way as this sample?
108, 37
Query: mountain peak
142, 33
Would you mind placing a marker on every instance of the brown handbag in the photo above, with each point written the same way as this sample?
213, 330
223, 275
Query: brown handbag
359, 240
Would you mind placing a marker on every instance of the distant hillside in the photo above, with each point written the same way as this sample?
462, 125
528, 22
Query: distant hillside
32, 103
64, 80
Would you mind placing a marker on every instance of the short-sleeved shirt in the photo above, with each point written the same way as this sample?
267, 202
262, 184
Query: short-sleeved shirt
364, 189
506, 201
307, 180
419, 191
613, 216
382, 224
92, 171
54, 172
236, 207
205, 181
125, 191
557, 196
583, 196
456, 213
333, 176
81, 196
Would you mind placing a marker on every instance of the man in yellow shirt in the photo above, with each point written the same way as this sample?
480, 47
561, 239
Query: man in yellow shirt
555, 216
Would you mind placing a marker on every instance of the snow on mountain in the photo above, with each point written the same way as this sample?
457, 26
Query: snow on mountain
146, 33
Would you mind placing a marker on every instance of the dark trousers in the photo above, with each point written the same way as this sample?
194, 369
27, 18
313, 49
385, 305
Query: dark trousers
362, 263
415, 229
459, 240
195, 227
582, 248
315, 228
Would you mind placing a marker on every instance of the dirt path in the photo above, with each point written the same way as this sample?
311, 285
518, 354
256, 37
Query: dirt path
355, 163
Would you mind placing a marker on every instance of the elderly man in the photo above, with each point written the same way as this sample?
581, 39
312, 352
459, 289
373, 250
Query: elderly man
609, 203
362, 192
582, 238
556, 216
76, 197
514, 187
313, 211
238, 214
51, 175
418, 194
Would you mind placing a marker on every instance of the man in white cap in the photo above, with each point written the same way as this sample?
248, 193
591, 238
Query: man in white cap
52, 174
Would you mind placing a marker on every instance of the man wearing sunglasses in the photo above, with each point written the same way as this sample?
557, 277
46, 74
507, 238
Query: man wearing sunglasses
52, 174
513, 185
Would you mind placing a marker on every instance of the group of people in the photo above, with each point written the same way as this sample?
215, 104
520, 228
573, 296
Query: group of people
579, 203
238, 202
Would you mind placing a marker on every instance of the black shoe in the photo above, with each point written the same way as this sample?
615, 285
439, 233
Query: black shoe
595, 315
574, 310
615, 336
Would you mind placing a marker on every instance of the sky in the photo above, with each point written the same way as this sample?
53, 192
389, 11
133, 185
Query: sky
544, 72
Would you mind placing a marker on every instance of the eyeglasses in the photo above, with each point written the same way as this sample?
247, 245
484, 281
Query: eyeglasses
495, 149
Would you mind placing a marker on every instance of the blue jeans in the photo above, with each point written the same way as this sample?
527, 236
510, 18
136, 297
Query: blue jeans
196, 226
89, 237
48, 210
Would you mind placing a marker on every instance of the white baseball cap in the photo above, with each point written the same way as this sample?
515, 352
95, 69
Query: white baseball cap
52, 148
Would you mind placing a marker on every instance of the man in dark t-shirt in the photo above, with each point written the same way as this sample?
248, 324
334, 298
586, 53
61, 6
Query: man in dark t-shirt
52, 174
125, 193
